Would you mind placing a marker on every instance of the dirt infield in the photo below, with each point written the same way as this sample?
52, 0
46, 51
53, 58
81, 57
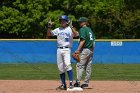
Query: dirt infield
49, 86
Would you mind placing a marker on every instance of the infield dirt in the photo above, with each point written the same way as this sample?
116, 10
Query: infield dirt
49, 86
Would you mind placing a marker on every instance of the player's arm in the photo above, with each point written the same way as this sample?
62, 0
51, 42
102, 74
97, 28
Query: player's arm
75, 33
49, 25
49, 32
81, 43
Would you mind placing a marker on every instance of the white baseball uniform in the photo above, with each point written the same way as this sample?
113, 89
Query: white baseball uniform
64, 43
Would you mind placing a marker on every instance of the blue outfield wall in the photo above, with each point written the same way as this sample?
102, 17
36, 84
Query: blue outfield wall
44, 51
126, 52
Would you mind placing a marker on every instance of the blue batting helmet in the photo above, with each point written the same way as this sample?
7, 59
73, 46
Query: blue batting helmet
64, 17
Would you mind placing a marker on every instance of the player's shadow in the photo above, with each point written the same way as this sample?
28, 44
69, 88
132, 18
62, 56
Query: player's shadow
88, 88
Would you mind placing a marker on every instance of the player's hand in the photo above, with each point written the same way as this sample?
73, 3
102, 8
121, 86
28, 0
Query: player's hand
50, 23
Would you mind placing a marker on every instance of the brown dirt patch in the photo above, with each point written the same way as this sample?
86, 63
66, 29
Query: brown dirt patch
49, 86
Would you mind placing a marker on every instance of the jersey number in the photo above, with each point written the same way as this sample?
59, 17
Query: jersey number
91, 37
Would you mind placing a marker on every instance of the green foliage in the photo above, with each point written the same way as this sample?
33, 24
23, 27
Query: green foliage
108, 18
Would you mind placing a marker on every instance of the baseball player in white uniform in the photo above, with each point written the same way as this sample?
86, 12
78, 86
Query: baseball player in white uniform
65, 35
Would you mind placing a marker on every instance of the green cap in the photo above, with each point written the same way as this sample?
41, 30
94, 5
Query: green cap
83, 19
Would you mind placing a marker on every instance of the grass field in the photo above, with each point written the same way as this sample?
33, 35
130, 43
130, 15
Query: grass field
30, 71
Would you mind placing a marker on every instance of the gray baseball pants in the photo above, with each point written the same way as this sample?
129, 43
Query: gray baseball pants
84, 65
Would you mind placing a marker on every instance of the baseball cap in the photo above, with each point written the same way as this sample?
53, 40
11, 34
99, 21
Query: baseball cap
83, 19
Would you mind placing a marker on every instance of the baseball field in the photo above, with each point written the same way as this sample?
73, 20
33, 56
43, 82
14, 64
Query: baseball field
44, 78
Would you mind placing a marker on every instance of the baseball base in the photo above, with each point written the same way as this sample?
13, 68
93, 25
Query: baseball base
75, 89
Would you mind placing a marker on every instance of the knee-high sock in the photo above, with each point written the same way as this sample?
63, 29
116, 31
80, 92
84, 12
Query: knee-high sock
70, 75
62, 76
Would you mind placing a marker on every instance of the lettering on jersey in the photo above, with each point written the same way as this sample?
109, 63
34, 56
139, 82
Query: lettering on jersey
64, 36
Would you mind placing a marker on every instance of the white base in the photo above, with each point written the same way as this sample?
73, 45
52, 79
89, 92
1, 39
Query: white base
75, 89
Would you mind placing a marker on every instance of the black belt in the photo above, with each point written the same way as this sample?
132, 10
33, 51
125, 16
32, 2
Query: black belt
63, 47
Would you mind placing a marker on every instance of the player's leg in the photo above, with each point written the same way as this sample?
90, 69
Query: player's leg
61, 69
68, 67
79, 72
88, 71
80, 67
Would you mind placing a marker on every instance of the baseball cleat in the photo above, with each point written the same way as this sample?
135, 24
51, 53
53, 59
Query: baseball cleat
84, 85
62, 87
77, 84
71, 87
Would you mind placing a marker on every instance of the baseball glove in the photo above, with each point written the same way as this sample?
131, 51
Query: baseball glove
76, 56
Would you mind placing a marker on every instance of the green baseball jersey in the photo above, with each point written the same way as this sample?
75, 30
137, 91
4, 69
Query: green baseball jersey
87, 34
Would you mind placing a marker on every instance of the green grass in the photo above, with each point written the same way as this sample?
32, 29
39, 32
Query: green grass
116, 72
50, 72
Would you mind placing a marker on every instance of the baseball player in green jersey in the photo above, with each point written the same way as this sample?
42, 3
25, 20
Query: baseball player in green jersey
85, 50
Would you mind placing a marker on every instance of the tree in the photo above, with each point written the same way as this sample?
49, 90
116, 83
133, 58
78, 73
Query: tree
108, 18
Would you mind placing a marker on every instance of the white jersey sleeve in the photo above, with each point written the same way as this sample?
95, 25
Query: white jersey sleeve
55, 32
